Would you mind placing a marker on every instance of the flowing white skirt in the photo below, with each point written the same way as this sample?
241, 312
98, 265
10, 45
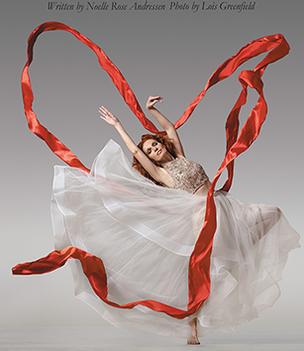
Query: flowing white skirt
145, 234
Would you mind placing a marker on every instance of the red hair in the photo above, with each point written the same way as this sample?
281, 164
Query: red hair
165, 140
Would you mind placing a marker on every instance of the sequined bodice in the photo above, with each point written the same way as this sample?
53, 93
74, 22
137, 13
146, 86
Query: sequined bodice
186, 174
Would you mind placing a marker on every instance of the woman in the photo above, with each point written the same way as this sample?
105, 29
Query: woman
151, 156
252, 240
133, 230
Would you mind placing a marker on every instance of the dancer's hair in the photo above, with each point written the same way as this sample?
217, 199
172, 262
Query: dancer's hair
165, 140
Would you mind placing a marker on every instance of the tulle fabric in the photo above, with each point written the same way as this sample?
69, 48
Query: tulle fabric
145, 234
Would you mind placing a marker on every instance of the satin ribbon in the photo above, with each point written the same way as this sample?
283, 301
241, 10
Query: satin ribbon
199, 263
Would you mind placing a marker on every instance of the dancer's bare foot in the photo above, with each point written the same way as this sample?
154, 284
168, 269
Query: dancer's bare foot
193, 339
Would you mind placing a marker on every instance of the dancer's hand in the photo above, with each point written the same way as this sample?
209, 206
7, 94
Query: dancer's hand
108, 116
152, 100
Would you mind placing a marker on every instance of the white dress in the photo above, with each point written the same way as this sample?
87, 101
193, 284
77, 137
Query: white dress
145, 234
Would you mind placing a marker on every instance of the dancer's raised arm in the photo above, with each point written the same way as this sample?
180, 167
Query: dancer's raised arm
155, 171
165, 123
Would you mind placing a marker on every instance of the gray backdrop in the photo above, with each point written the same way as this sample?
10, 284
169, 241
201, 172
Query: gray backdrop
167, 53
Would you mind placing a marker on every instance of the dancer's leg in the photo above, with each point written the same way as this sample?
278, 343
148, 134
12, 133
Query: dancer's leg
193, 338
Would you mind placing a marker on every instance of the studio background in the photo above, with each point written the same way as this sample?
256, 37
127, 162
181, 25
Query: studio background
171, 54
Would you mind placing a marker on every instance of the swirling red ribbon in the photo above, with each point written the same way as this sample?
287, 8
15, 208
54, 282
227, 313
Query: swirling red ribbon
199, 263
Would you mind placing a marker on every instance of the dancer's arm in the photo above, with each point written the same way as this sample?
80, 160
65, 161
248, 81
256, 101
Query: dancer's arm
154, 171
165, 123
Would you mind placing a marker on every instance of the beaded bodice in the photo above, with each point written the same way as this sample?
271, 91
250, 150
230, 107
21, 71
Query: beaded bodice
186, 174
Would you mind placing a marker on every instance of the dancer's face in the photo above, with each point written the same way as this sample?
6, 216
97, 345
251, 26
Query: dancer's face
154, 149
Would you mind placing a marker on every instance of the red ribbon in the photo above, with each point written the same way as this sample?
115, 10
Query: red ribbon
199, 263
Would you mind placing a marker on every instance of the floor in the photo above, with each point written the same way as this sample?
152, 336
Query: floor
93, 339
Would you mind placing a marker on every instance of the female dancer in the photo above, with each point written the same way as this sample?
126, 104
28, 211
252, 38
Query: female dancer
151, 157
135, 229
163, 161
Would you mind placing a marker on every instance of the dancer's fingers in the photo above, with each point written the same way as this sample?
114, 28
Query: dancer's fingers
106, 111
106, 117
102, 109
105, 114
102, 113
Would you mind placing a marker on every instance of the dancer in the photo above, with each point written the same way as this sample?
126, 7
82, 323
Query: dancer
243, 229
152, 159
145, 233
